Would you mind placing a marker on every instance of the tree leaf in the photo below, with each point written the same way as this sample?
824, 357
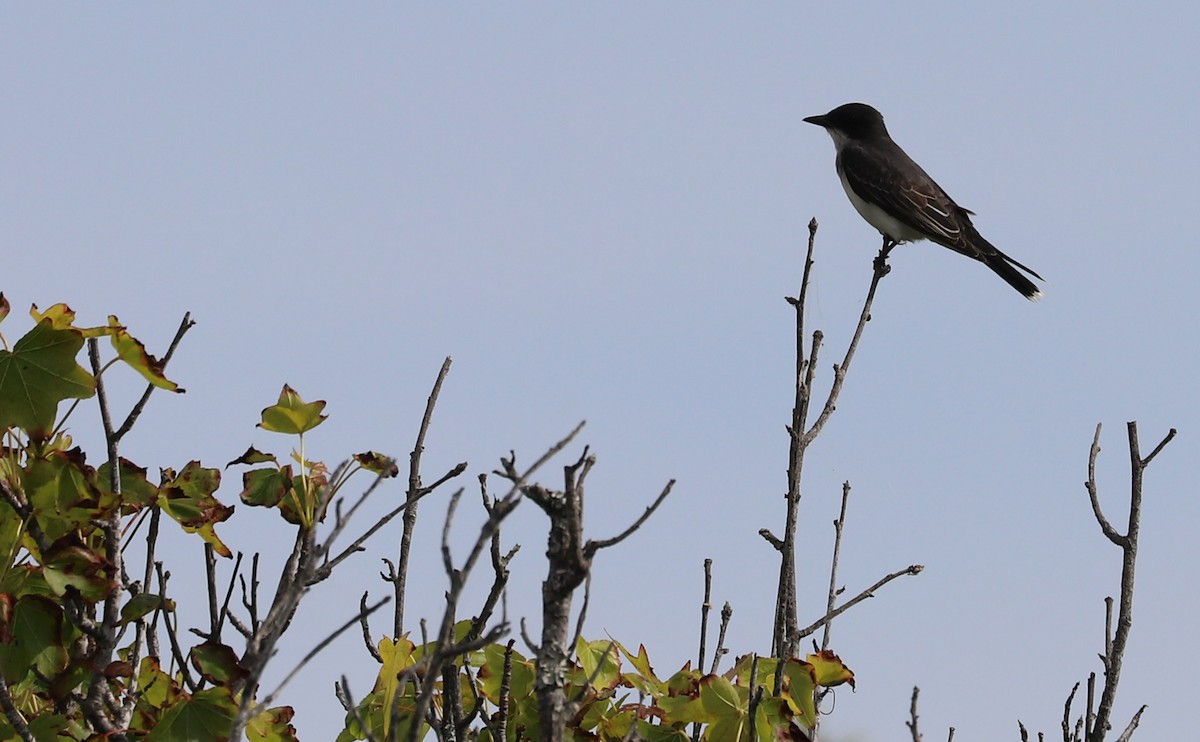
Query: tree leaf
143, 604
378, 464
188, 498
40, 372
205, 716
217, 663
36, 631
291, 414
131, 351
272, 725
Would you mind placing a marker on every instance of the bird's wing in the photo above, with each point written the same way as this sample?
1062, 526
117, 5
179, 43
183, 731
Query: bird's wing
900, 187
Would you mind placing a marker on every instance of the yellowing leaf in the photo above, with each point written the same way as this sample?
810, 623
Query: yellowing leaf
377, 463
829, 669
397, 657
272, 725
131, 351
291, 414
253, 456
60, 315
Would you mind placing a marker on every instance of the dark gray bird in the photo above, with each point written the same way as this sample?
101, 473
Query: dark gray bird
900, 200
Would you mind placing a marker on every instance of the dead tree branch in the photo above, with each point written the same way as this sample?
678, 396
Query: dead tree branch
786, 640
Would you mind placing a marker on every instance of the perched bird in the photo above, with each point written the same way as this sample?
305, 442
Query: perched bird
899, 199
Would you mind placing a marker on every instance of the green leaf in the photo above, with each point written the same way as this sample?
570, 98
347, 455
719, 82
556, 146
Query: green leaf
800, 681
376, 716
61, 493
644, 680
266, 487
136, 490
71, 564
490, 661
40, 372
205, 717
300, 504
142, 604
188, 499
726, 706
291, 414
36, 631
598, 661
217, 663
132, 352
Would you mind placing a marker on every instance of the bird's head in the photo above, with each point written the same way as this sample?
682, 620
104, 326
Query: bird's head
851, 121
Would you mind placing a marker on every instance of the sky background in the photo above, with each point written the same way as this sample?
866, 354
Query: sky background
597, 211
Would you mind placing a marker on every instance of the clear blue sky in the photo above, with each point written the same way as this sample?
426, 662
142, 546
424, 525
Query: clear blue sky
597, 211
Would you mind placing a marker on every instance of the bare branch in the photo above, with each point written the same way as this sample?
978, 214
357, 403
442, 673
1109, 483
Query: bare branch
362, 614
1133, 723
914, 569
831, 599
705, 607
1066, 720
720, 651
364, 622
912, 715
1093, 494
785, 641
594, 546
134, 413
414, 493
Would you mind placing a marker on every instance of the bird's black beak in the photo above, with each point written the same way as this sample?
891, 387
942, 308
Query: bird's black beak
818, 120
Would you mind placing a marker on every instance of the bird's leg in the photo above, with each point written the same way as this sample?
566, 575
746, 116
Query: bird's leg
881, 266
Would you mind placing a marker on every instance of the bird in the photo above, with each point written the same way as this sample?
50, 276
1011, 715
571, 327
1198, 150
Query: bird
898, 198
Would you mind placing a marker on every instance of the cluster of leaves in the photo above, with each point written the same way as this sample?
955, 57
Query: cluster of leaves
75, 629
82, 650
612, 702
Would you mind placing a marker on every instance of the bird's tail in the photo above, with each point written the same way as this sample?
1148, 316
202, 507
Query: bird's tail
1003, 266
1010, 271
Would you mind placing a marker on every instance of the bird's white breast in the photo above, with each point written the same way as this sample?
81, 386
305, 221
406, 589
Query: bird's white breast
887, 225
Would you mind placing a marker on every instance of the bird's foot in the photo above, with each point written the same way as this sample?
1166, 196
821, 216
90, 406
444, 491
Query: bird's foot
881, 264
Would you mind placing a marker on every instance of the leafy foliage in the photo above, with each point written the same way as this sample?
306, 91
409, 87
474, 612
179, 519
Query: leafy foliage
79, 639
617, 690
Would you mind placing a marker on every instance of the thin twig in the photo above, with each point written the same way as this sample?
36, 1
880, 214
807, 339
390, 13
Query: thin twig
597, 545
136, 411
15, 719
912, 716
914, 569
270, 698
414, 493
720, 651
831, 599
705, 607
